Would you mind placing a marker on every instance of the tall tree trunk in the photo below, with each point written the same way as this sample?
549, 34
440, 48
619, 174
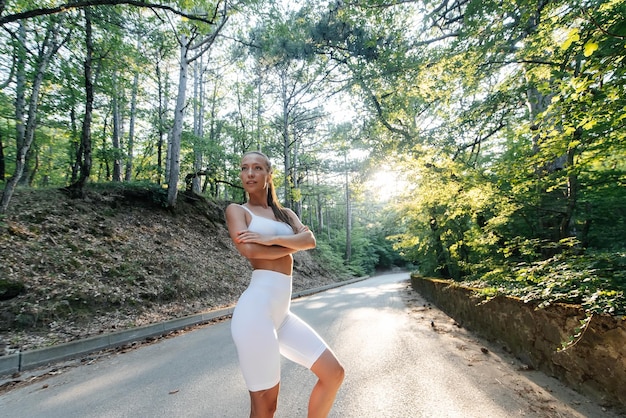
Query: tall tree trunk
214, 134
319, 208
131, 129
177, 128
33, 164
286, 142
26, 121
28, 172
117, 131
259, 105
2, 160
198, 123
296, 204
162, 109
83, 156
348, 214
443, 260
175, 134
20, 109
75, 143
328, 220
565, 229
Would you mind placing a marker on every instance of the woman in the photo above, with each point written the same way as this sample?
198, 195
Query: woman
262, 326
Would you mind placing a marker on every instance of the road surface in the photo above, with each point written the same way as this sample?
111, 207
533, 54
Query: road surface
403, 358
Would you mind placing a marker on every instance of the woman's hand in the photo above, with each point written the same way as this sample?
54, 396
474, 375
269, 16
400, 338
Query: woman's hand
249, 237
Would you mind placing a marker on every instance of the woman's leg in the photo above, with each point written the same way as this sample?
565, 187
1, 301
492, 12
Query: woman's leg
263, 403
254, 333
301, 344
330, 374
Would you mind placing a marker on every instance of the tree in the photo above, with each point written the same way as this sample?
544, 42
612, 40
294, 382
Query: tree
280, 49
535, 160
56, 33
195, 43
9, 15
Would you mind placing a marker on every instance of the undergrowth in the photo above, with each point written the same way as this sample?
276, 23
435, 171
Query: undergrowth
596, 280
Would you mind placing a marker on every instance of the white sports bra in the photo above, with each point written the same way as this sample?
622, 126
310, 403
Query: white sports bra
266, 226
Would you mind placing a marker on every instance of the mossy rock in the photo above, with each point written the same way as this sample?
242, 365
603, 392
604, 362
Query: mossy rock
10, 289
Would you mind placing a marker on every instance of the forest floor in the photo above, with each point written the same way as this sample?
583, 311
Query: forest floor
117, 259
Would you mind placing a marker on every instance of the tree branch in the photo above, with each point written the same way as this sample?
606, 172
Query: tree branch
28, 14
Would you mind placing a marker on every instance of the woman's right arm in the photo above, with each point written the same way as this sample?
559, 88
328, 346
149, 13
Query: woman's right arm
236, 222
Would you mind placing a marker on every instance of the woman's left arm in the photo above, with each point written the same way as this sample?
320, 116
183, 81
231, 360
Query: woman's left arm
303, 239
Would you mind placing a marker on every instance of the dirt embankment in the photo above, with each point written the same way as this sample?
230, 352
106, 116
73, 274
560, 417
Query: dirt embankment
591, 360
73, 268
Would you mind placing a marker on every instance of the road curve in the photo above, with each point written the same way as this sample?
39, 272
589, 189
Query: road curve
403, 358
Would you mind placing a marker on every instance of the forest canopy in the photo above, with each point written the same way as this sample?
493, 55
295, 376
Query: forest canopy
480, 141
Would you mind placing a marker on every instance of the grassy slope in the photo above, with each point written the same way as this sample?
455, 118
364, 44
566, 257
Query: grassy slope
117, 259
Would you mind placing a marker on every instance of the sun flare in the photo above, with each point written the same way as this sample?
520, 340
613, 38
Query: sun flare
385, 185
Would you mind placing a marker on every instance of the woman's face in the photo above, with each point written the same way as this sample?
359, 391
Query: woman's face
254, 173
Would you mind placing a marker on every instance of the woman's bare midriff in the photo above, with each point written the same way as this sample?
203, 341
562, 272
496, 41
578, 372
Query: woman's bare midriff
282, 265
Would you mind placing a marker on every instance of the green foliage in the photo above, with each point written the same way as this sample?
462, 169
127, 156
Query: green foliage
329, 258
594, 279
370, 250
364, 257
519, 176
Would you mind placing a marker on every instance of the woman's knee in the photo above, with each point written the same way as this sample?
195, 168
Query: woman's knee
338, 373
328, 369
264, 402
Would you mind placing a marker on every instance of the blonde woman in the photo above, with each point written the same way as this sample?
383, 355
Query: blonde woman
263, 327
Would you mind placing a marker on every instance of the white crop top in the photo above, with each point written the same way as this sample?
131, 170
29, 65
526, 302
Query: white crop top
266, 226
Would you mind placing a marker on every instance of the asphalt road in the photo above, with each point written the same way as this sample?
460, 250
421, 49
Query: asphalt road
403, 358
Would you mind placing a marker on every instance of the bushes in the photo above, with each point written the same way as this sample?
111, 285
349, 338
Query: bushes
594, 279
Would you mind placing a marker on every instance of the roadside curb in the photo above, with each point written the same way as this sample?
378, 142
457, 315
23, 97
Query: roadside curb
31, 359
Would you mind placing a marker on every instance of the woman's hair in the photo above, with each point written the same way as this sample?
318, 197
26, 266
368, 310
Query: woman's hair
280, 212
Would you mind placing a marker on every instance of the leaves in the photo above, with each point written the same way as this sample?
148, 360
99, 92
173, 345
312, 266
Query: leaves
518, 148
573, 36
589, 48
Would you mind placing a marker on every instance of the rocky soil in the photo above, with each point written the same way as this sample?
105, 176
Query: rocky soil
73, 268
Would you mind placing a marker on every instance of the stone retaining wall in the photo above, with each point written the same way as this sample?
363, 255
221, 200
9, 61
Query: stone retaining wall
595, 365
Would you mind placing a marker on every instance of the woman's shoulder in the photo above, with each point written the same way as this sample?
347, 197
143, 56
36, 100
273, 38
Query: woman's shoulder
293, 216
235, 209
289, 211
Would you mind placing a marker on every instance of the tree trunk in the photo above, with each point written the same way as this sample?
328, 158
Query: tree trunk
259, 105
198, 123
286, 144
177, 128
348, 214
83, 156
214, 137
75, 144
318, 208
25, 128
162, 110
117, 132
296, 203
2, 161
128, 175
443, 260
565, 229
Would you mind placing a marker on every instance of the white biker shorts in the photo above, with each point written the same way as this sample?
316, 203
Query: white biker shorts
263, 328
